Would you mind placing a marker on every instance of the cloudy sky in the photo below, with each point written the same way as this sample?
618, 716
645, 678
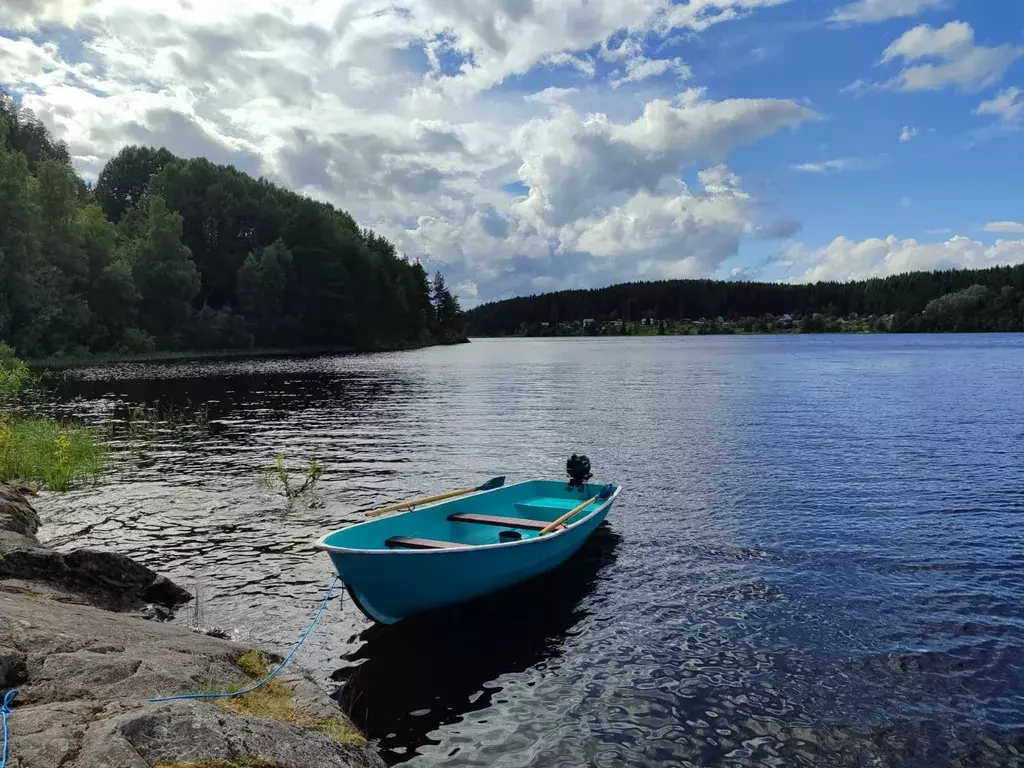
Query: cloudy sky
531, 145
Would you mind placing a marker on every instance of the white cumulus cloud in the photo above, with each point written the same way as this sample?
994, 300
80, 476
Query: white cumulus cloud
864, 11
1004, 226
394, 111
572, 162
1007, 106
676, 234
948, 56
845, 259
908, 133
31, 14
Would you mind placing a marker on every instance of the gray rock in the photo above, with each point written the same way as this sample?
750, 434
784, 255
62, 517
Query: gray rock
106, 579
12, 668
88, 673
16, 514
84, 673
11, 541
156, 613
34, 564
211, 632
118, 580
48, 734
186, 731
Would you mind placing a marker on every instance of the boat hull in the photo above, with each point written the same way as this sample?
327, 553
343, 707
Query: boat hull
389, 585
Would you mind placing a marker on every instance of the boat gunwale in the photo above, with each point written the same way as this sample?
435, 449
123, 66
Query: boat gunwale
321, 542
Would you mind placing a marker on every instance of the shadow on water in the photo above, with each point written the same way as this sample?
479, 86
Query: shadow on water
221, 390
408, 679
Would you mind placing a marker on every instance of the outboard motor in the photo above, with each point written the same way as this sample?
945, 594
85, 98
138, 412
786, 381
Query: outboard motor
578, 469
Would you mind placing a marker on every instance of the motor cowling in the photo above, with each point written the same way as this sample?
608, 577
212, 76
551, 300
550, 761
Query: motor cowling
578, 469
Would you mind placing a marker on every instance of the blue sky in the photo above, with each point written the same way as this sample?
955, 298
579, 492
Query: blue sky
531, 145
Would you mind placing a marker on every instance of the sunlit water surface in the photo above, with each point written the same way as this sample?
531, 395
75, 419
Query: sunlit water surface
817, 559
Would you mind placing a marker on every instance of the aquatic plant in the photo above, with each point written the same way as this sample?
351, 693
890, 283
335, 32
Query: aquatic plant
279, 477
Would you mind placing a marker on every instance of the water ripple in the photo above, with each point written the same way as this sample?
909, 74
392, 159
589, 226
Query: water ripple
816, 561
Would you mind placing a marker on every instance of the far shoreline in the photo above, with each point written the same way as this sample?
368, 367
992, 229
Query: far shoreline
67, 362
795, 332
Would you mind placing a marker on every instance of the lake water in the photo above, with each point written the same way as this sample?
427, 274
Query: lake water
817, 558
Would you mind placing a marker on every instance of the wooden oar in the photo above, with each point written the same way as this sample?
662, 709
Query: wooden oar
605, 493
494, 482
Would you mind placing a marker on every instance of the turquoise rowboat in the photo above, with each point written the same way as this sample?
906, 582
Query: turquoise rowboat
465, 548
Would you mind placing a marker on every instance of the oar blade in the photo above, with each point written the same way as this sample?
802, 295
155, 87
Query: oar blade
490, 485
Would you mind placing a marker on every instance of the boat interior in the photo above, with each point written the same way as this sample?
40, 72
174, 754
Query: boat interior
504, 515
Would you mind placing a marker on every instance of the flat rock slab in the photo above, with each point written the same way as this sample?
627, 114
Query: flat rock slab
84, 675
185, 731
84, 667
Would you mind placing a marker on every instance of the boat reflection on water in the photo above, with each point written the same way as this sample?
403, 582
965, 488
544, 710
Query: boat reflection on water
409, 678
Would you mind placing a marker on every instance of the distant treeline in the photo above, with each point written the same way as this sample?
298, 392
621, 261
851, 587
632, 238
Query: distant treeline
952, 300
172, 254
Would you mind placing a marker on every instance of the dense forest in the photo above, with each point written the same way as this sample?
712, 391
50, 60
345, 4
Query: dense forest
171, 254
952, 300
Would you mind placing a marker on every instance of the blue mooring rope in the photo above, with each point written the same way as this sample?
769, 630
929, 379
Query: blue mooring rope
5, 710
264, 681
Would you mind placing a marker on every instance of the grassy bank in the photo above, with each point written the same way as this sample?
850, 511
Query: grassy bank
40, 451
64, 362
48, 453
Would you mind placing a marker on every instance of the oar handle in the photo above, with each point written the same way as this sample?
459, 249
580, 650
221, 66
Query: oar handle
567, 516
490, 485
418, 502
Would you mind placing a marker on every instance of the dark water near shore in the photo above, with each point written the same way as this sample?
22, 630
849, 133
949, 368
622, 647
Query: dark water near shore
818, 557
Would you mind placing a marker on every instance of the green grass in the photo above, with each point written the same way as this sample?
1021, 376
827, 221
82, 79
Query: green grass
56, 455
276, 701
254, 663
62, 362
38, 450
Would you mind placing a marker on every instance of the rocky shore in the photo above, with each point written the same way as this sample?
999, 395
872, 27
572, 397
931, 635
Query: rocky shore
81, 638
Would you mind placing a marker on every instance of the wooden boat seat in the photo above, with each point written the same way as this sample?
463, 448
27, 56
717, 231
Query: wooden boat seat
408, 542
504, 522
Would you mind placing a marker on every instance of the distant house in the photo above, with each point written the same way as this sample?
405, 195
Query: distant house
786, 318
545, 325
617, 323
588, 321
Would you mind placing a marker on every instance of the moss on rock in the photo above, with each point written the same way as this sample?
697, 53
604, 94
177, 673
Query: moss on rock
274, 700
